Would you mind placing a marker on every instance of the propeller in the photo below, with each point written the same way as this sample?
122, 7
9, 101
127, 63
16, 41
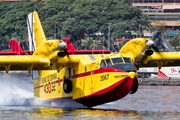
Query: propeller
67, 43
150, 48
155, 48
62, 45
151, 44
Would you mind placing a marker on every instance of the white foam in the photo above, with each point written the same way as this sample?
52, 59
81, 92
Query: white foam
14, 91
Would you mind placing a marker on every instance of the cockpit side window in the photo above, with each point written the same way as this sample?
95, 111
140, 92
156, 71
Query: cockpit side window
117, 60
103, 64
108, 61
127, 60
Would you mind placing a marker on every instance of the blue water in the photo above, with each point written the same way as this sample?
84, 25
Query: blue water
148, 103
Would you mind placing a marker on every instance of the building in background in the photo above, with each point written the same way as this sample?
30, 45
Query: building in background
164, 12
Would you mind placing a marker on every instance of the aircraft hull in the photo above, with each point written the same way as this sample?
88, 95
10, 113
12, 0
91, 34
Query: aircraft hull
117, 86
112, 93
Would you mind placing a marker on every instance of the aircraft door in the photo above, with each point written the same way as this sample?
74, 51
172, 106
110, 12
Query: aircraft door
94, 76
87, 81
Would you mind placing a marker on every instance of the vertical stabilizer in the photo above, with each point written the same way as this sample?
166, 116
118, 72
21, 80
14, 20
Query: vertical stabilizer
15, 47
161, 74
35, 31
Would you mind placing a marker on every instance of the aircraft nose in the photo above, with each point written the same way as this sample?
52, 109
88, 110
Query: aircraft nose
132, 74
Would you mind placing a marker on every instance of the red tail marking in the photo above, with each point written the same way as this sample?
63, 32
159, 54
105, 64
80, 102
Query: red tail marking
123, 39
15, 47
72, 50
161, 74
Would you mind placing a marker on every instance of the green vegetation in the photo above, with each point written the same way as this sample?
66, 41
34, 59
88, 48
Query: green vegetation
64, 18
175, 41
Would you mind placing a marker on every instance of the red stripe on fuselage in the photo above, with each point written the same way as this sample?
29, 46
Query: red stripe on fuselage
60, 80
98, 71
39, 86
57, 81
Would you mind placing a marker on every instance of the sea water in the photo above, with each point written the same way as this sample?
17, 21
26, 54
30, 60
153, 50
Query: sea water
148, 103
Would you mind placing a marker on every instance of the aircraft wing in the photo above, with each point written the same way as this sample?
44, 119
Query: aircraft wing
162, 59
17, 53
24, 62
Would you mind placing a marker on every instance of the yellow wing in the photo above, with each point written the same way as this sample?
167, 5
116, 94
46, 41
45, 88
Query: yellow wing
140, 50
24, 62
162, 59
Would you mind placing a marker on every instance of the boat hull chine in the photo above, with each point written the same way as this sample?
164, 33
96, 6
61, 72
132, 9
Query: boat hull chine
117, 91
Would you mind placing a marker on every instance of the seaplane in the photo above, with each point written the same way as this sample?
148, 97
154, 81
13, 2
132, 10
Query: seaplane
88, 77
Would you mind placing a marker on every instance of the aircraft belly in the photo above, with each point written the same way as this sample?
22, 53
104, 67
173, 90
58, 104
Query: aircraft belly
100, 84
114, 92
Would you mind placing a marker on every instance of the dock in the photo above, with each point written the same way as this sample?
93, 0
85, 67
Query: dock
159, 81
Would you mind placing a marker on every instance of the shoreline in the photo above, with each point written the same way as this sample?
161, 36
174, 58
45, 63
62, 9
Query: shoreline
159, 81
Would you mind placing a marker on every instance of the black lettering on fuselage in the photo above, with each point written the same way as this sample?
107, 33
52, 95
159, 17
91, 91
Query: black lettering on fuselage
104, 77
49, 84
49, 78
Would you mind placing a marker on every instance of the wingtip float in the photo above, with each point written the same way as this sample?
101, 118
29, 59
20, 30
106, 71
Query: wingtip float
85, 76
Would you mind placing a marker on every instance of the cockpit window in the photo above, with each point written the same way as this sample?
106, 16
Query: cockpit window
108, 61
127, 60
103, 64
117, 60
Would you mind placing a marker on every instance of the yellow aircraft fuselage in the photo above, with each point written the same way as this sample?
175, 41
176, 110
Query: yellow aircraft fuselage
95, 80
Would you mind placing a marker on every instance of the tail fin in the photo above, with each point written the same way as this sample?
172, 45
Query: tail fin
35, 31
15, 47
161, 74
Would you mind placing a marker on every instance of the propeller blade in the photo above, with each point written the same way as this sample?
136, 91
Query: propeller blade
61, 46
150, 43
155, 48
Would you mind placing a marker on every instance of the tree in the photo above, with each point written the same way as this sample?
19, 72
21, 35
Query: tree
13, 18
54, 14
175, 41
94, 16
65, 18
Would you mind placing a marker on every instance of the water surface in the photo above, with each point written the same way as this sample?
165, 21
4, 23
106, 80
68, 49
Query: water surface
148, 103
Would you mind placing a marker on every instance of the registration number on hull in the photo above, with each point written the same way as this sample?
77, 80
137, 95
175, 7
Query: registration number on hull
104, 77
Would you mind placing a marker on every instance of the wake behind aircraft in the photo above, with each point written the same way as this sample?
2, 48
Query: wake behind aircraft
89, 77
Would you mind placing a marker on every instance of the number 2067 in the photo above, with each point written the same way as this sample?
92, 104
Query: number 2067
104, 77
